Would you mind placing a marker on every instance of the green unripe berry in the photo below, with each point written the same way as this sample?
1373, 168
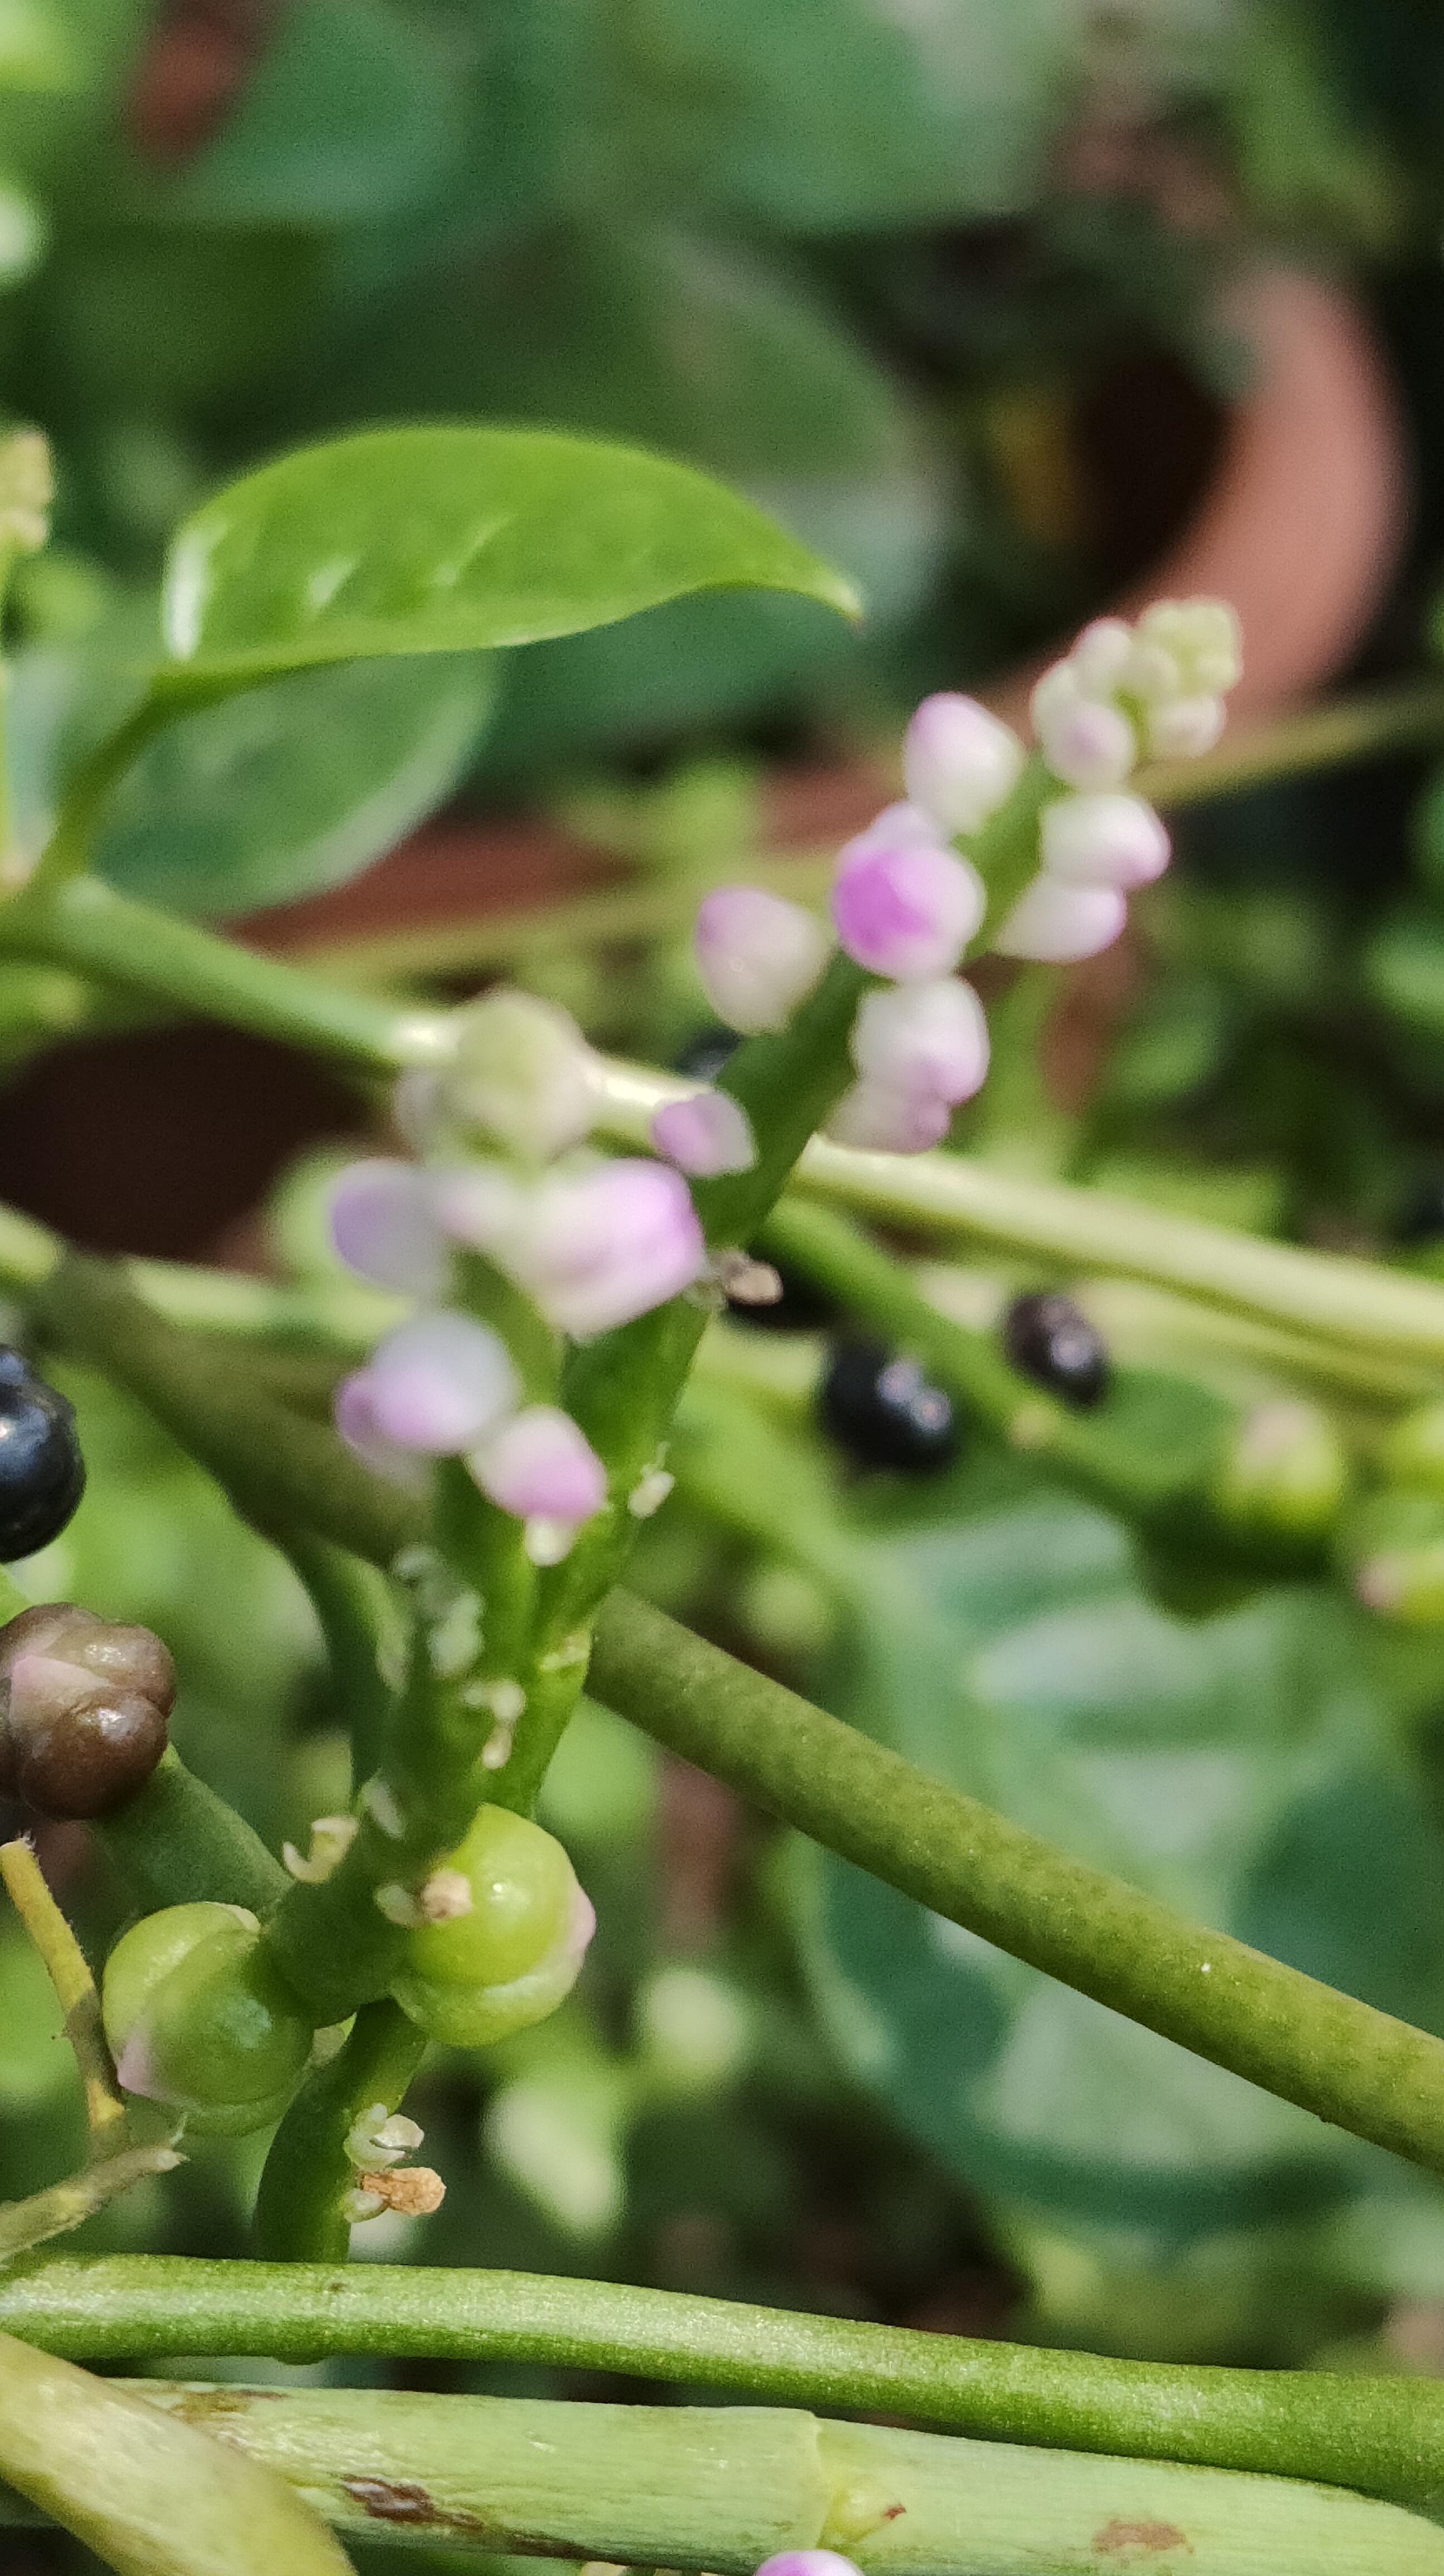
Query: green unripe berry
511, 1958
197, 2016
1286, 1475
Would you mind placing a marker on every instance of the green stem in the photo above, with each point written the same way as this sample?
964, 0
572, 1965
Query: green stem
84, 924
1143, 1485
307, 2172
698, 2487
24, 2224
176, 1843
348, 1597
278, 1467
69, 1973
1382, 2436
146, 2491
1361, 2069
1330, 1295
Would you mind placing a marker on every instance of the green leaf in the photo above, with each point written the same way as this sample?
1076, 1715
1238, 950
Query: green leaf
1242, 1767
351, 115
275, 792
447, 540
283, 790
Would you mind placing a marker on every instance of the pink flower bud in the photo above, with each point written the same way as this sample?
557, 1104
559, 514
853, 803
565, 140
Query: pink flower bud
706, 1134
597, 1248
1057, 923
903, 906
1183, 728
540, 1466
807, 2562
355, 1419
1087, 743
877, 1119
959, 762
757, 955
524, 1073
382, 1227
1103, 840
437, 1384
927, 1039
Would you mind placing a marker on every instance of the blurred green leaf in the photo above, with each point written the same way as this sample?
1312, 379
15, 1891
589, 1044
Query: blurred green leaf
695, 347
144, 316
351, 115
1240, 1767
454, 540
834, 116
269, 795
300, 785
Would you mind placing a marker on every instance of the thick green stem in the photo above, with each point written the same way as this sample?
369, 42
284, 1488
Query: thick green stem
1380, 2078
84, 924
1382, 2436
142, 2488
299, 2214
177, 1843
698, 2487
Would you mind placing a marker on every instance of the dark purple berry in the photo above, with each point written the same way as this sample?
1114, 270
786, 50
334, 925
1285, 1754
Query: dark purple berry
705, 1054
83, 1709
884, 1412
42, 1473
1051, 1341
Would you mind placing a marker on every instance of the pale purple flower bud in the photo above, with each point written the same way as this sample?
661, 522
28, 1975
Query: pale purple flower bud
1103, 840
382, 1227
877, 1119
807, 2562
1087, 743
438, 1383
1183, 728
597, 1248
1058, 923
523, 1071
927, 1039
355, 1419
758, 956
540, 1466
903, 906
708, 1133
959, 762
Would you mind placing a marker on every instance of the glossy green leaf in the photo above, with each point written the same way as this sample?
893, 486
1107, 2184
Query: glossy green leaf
284, 790
454, 540
1242, 1767
273, 793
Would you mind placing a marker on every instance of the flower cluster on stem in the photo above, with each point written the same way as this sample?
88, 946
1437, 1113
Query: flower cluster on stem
913, 891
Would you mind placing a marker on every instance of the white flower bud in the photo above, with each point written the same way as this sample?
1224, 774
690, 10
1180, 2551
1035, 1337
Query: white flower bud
1088, 743
877, 1119
959, 761
931, 1039
1102, 840
523, 1073
758, 956
1183, 728
1057, 923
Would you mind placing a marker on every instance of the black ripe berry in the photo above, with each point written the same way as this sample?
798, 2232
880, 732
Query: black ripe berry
884, 1412
1419, 1217
706, 1053
42, 1473
1052, 1341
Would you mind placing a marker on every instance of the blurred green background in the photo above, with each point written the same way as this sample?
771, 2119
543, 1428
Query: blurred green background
941, 285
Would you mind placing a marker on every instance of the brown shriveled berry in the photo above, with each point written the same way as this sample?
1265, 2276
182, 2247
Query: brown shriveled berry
83, 1709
